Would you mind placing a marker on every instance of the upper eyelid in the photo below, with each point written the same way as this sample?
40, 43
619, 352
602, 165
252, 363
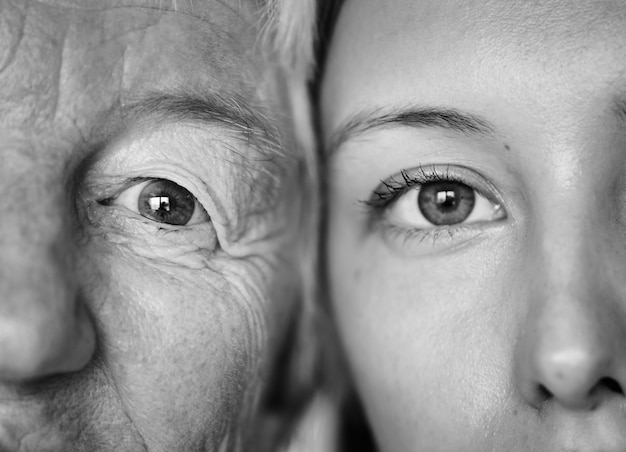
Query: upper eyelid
433, 173
110, 185
130, 184
395, 187
134, 182
149, 114
151, 111
203, 158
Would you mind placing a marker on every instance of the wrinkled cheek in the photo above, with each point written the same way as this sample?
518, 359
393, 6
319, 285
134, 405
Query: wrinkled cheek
78, 411
183, 347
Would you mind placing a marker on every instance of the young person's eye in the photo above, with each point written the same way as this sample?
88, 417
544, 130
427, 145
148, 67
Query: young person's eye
162, 201
444, 203
430, 200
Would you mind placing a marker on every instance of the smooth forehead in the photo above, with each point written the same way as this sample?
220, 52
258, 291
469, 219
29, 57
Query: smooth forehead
390, 46
536, 30
530, 21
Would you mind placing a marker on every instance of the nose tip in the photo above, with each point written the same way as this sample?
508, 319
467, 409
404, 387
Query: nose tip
571, 353
576, 377
45, 343
45, 327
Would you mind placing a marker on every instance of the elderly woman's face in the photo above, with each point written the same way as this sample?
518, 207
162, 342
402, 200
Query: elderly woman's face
477, 248
147, 265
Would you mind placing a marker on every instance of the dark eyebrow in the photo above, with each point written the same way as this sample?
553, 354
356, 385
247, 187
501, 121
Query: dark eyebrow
252, 125
442, 118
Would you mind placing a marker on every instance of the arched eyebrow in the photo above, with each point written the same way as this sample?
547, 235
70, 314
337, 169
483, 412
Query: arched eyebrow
417, 117
252, 125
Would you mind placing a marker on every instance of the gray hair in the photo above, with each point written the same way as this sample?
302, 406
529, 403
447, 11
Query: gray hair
289, 29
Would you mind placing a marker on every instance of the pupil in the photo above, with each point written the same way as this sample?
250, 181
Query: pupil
446, 203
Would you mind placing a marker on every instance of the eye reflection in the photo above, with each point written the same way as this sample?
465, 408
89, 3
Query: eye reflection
163, 201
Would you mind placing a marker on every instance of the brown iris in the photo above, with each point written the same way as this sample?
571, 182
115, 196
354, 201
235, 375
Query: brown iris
166, 202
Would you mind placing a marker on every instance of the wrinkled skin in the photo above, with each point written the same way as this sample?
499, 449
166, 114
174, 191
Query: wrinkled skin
118, 332
506, 331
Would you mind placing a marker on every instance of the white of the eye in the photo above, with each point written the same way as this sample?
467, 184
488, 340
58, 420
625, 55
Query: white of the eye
129, 199
406, 212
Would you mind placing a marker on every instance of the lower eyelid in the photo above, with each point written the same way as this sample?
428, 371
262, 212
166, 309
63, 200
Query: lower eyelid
140, 233
412, 242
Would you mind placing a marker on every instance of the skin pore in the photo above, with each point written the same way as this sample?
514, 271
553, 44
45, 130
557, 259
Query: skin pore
476, 221
150, 193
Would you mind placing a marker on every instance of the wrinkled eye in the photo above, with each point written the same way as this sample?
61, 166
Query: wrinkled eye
442, 203
163, 201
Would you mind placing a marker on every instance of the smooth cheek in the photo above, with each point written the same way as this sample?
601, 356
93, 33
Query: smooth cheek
180, 345
398, 316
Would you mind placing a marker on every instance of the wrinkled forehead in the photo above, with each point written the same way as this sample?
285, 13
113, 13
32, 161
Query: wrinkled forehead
201, 9
64, 56
237, 20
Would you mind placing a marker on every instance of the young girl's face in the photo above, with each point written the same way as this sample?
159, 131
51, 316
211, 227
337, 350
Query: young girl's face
477, 231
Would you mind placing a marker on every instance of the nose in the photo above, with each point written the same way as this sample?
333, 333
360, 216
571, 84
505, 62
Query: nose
571, 349
45, 328
570, 358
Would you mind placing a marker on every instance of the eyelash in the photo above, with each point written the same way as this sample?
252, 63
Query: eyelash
392, 189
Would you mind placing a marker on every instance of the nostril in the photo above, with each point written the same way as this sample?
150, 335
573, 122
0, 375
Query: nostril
544, 393
611, 384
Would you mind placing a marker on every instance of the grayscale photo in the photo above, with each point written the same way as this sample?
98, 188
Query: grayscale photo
313, 226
